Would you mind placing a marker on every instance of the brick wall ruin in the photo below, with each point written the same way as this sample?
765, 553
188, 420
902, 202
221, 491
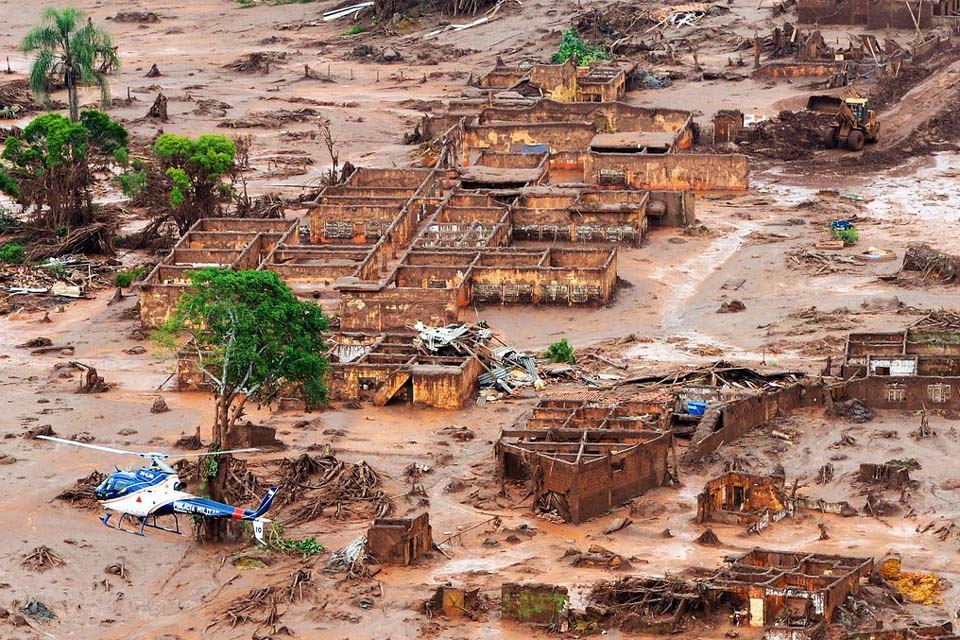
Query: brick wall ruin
400, 540
211, 242
581, 474
787, 590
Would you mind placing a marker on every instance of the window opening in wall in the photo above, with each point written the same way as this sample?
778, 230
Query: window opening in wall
895, 393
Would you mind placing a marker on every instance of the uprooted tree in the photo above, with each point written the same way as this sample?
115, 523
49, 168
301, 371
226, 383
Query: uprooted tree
71, 51
254, 339
52, 168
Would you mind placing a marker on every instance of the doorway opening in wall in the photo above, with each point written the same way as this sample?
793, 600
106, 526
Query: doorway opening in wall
739, 495
881, 371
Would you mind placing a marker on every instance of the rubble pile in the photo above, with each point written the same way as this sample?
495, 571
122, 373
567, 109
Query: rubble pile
316, 483
792, 135
631, 600
81, 494
931, 263
505, 368
41, 559
53, 280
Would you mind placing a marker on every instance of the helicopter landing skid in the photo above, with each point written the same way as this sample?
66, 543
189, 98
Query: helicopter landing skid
145, 522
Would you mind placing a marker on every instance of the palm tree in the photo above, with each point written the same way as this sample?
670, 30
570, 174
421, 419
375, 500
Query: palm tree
71, 50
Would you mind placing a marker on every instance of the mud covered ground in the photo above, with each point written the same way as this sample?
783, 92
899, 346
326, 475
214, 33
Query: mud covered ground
756, 248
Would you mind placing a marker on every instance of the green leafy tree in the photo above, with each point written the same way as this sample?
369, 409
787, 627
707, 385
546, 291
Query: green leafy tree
571, 44
54, 165
199, 175
70, 50
253, 338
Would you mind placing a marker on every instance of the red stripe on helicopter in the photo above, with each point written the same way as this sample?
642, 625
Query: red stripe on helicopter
237, 513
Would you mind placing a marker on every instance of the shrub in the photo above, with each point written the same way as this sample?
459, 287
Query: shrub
304, 548
561, 351
849, 235
571, 43
12, 253
354, 30
132, 183
124, 279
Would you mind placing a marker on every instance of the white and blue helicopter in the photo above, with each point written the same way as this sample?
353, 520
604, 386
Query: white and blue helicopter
150, 492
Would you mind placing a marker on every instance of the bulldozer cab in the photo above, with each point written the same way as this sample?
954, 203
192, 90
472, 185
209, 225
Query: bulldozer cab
858, 107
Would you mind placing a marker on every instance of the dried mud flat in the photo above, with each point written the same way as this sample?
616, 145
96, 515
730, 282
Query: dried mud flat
797, 311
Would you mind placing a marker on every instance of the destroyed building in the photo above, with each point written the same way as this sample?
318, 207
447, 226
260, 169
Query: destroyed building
231, 243
793, 594
756, 501
595, 144
564, 82
741, 498
400, 540
581, 473
647, 410
721, 402
915, 369
434, 367
875, 14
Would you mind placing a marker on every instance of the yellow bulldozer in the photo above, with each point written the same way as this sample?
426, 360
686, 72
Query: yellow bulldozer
855, 124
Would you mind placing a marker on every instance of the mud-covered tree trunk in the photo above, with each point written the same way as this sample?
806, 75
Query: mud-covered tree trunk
228, 410
216, 529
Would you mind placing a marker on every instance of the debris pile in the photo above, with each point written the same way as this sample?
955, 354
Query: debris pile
54, 279
597, 556
317, 483
636, 603
16, 99
92, 382
504, 367
822, 263
257, 62
81, 493
41, 559
931, 263
792, 135
271, 119
853, 410
248, 608
352, 559
141, 17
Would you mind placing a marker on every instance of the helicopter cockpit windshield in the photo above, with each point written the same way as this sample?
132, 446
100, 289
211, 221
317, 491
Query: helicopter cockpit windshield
112, 487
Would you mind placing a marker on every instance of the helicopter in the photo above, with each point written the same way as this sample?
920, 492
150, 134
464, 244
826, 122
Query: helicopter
149, 492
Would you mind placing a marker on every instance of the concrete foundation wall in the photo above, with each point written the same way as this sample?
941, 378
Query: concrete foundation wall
556, 136
672, 172
907, 394
393, 308
445, 387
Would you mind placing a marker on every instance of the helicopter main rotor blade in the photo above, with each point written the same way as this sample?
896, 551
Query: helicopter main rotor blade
213, 453
121, 452
149, 455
